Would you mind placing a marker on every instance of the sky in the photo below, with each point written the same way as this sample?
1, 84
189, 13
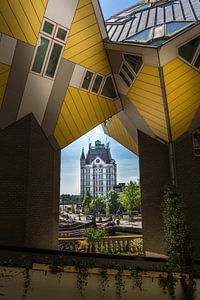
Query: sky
127, 162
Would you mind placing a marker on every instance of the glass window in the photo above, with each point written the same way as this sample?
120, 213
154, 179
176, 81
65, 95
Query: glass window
40, 55
48, 27
128, 72
143, 36
61, 34
135, 62
125, 79
97, 84
109, 89
197, 62
53, 61
87, 80
188, 50
173, 27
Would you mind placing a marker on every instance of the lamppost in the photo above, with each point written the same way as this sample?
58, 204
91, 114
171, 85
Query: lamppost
94, 198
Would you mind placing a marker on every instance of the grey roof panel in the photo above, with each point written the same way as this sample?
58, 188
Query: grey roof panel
160, 15
146, 15
187, 10
117, 32
125, 31
178, 11
134, 25
152, 15
196, 5
143, 20
168, 14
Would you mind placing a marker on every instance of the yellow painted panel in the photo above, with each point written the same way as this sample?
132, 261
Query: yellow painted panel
148, 87
69, 120
75, 113
171, 66
184, 88
85, 45
80, 36
79, 103
176, 74
4, 26
83, 12
90, 107
145, 94
23, 21
150, 108
150, 70
148, 102
39, 8
4, 78
150, 78
184, 114
12, 21
95, 102
44, 2
2, 91
4, 68
65, 130
59, 137
117, 131
112, 107
82, 24
32, 15
83, 3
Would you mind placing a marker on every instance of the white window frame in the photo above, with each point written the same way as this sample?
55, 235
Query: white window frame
52, 40
103, 77
84, 78
100, 91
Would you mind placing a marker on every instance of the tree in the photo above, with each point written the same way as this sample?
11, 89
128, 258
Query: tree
112, 204
100, 204
130, 197
86, 204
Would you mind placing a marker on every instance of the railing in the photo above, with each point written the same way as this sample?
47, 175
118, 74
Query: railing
111, 244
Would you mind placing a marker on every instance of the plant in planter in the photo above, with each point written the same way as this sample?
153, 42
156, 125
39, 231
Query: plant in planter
177, 242
94, 236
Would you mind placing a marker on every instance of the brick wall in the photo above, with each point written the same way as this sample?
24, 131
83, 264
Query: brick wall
154, 175
29, 186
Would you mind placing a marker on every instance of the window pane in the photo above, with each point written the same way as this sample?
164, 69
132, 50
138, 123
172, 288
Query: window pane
128, 72
176, 26
197, 63
125, 79
97, 83
53, 61
87, 80
61, 34
48, 27
159, 31
109, 89
143, 36
40, 55
135, 62
188, 50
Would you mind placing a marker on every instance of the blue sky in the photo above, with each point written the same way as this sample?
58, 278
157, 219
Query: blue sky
127, 162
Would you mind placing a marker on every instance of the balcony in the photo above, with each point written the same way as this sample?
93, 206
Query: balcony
43, 274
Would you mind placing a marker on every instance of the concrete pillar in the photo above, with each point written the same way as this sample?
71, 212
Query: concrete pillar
29, 186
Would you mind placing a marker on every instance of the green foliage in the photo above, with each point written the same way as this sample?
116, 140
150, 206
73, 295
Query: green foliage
82, 279
93, 236
87, 202
100, 203
177, 239
119, 282
130, 197
112, 204
168, 284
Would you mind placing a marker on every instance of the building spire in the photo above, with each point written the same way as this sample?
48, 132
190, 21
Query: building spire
82, 154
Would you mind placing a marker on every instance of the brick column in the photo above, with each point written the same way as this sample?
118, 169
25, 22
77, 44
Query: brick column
29, 186
154, 176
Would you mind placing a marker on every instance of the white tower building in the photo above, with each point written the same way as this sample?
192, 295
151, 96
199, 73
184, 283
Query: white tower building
98, 170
